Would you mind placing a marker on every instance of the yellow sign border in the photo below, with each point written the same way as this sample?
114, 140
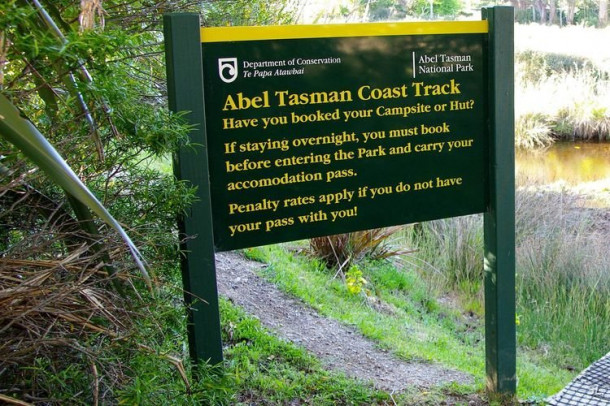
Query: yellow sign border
228, 34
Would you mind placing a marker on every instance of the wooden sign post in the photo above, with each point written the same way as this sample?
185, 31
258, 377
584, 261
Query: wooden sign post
306, 131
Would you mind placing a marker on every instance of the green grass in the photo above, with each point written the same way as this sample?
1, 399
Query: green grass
562, 281
259, 368
267, 370
151, 367
404, 316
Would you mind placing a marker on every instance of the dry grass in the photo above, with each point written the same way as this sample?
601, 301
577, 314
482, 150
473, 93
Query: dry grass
58, 303
58, 311
562, 87
568, 105
90, 11
54, 302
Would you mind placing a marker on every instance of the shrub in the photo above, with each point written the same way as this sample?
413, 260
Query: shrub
342, 250
561, 92
96, 92
532, 131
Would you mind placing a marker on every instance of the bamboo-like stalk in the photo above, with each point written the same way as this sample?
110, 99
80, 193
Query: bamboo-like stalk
12, 401
3, 60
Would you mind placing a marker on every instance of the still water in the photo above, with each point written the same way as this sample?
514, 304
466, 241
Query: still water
570, 162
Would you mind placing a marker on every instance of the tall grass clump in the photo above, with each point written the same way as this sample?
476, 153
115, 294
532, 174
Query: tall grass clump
562, 265
562, 277
450, 251
567, 104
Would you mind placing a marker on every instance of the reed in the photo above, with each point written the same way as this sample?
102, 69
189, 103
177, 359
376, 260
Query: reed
450, 251
563, 283
562, 276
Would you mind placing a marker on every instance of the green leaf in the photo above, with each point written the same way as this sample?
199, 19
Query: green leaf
24, 135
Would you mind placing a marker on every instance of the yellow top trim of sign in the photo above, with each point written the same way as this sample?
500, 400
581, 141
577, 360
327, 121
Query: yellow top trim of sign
226, 34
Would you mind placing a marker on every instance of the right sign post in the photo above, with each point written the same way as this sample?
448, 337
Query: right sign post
500, 327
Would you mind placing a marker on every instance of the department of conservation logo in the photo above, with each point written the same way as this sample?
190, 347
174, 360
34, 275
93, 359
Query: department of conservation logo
227, 69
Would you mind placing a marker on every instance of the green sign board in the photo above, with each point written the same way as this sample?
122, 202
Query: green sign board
307, 131
343, 129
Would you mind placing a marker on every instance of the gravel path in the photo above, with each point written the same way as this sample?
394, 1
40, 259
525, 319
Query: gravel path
338, 346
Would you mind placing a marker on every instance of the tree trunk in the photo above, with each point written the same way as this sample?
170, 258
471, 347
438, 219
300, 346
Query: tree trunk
603, 14
570, 12
553, 12
540, 7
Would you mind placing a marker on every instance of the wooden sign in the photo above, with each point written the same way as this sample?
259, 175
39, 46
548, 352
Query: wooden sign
333, 129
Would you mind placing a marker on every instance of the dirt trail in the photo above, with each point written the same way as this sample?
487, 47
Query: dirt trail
338, 346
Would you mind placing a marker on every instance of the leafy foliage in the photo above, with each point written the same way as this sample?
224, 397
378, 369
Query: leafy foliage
384, 10
89, 76
437, 7
246, 12
354, 280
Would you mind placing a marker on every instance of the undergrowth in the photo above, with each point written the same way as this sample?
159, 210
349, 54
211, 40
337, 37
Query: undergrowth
562, 277
563, 287
341, 250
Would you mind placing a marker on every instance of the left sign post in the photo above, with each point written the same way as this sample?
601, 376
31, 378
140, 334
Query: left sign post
185, 94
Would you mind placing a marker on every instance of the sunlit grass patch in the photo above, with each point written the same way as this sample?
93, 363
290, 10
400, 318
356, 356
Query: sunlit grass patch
264, 368
404, 315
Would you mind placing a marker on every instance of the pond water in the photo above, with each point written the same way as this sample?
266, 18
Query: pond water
570, 162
